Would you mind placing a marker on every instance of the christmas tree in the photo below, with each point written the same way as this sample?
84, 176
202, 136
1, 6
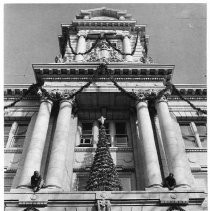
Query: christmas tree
103, 175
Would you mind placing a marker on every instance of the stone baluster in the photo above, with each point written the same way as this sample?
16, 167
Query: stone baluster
95, 131
174, 155
56, 168
127, 47
112, 132
147, 137
35, 150
81, 45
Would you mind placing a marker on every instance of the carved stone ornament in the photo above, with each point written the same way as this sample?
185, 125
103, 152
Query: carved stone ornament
103, 52
103, 205
56, 94
30, 209
83, 33
175, 208
144, 95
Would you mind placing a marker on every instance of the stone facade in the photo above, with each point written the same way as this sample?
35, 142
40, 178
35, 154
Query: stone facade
148, 138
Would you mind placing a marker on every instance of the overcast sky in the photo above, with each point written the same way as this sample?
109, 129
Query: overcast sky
177, 36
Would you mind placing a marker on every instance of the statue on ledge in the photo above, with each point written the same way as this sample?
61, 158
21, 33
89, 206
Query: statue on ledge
36, 181
169, 182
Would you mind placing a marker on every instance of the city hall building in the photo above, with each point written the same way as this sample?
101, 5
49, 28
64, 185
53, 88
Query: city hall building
153, 127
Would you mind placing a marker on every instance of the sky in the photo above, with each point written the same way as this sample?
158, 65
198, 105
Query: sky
177, 36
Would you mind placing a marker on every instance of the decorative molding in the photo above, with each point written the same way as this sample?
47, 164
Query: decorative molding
196, 150
119, 168
13, 150
32, 203
31, 208
112, 149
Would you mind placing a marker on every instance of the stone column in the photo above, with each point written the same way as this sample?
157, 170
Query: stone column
36, 147
81, 45
79, 133
197, 137
127, 47
95, 131
12, 132
173, 153
147, 137
56, 168
112, 132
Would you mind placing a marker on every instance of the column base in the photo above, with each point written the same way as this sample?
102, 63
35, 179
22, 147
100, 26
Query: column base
155, 188
182, 187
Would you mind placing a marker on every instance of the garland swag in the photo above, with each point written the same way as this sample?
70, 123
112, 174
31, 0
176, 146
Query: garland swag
36, 88
101, 37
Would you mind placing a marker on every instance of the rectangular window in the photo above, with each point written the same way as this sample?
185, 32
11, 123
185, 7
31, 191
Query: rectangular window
82, 182
202, 131
15, 132
7, 127
8, 179
121, 137
188, 136
86, 137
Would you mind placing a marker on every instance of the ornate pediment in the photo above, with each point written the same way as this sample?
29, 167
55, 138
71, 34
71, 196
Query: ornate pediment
104, 13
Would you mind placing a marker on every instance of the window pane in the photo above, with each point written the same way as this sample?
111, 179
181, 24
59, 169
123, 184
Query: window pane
18, 141
82, 182
189, 141
120, 128
186, 130
87, 128
202, 130
7, 128
22, 129
203, 141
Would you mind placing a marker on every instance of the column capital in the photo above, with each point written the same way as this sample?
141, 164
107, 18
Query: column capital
70, 101
82, 33
145, 95
163, 98
46, 99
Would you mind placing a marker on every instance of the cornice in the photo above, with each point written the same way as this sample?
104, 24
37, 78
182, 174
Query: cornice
83, 71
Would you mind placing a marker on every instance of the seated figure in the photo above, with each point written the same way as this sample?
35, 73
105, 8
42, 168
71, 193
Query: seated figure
36, 181
169, 182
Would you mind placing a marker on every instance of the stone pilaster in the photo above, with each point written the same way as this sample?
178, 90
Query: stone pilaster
173, 153
148, 142
35, 150
112, 132
56, 168
81, 45
95, 131
127, 47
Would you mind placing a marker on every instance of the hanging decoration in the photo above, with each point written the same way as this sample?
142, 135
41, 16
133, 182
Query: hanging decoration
102, 69
102, 36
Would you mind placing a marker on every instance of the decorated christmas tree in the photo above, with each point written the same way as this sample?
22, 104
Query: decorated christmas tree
103, 175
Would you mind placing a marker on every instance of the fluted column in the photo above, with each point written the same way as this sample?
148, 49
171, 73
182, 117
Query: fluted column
35, 150
56, 168
127, 47
95, 131
173, 153
149, 148
12, 132
81, 45
112, 132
